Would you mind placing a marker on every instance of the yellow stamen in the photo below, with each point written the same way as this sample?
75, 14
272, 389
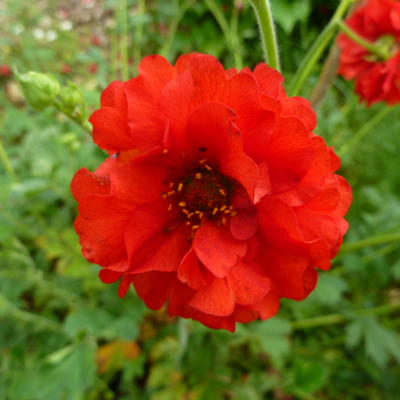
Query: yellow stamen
182, 204
207, 167
223, 208
194, 227
223, 192
171, 193
164, 195
203, 161
180, 187
233, 213
198, 175
215, 211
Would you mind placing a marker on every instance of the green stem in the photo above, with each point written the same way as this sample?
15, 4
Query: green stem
366, 128
370, 46
262, 9
231, 41
166, 49
6, 161
124, 45
137, 52
333, 319
316, 50
373, 241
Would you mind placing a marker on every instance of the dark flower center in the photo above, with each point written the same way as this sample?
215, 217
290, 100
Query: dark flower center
203, 194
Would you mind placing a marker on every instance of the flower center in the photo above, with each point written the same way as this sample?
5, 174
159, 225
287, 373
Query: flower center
204, 194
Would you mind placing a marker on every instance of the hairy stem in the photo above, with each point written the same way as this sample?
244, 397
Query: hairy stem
262, 9
311, 58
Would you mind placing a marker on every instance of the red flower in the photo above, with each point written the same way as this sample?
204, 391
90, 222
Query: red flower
218, 198
5, 70
376, 79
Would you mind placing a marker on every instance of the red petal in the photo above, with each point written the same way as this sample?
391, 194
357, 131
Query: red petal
86, 182
153, 287
217, 249
244, 225
216, 299
248, 283
192, 272
110, 130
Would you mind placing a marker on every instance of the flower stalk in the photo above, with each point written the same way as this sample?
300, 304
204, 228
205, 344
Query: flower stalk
379, 51
262, 9
311, 58
333, 319
5, 160
366, 128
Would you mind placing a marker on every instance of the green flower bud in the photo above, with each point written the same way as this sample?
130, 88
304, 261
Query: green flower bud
40, 90
70, 97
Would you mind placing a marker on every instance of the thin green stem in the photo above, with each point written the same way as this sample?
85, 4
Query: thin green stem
138, 35
370, 46
124, 44
313, 55
366, 128
231, 41
166, 49
373, 241
262, 9
333, 319
5, 160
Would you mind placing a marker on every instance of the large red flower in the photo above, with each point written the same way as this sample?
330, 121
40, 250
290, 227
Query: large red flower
217, 197
377, 79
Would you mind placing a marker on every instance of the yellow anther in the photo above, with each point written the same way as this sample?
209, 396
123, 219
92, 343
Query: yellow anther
180, 187
194, 227
233, 213
203, 161
171, 193
227, 211
198, 175
190, 215
200, 214
185, 211
182, 204
187, 223
223, 192
165, 151
164, 195
215, 211
207, 167
223, 208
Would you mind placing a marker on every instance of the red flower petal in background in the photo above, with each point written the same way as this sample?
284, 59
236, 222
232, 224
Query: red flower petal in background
376, 79
219, 201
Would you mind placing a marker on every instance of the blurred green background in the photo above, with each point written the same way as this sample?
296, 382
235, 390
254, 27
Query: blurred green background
64, 335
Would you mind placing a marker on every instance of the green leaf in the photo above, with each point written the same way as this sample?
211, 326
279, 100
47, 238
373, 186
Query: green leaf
309, 376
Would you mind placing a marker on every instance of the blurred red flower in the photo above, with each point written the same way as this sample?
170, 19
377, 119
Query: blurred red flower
376, 79
218, 199
66, 69
5, 70
93, 68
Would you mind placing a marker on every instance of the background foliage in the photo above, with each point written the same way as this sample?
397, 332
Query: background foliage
65, 335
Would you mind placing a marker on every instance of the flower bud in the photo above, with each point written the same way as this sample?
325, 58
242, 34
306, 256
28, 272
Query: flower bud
70, 97
40, 90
